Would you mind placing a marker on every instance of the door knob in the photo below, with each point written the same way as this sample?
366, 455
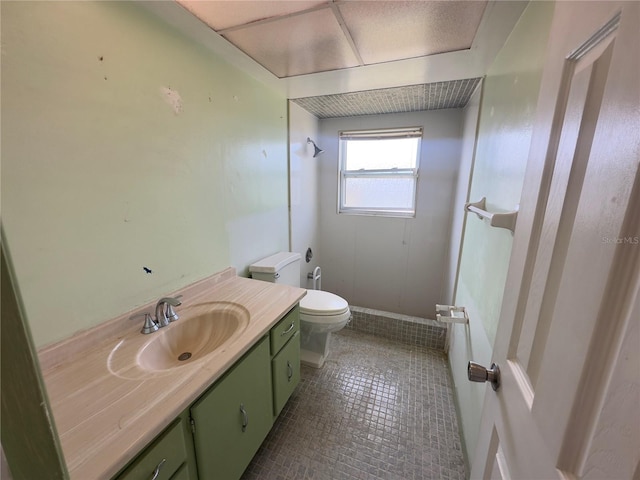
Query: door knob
478, 373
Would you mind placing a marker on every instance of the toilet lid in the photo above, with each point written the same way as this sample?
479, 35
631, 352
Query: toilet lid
317, 302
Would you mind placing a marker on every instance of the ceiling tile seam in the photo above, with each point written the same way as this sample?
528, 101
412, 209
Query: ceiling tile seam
275, 18
345, 30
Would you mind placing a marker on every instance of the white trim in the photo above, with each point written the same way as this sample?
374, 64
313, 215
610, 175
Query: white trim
391, 173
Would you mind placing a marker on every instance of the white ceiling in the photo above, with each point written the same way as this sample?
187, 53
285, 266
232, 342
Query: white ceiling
306, 37
310, 48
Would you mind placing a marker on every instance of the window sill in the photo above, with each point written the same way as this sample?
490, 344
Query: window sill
377, 213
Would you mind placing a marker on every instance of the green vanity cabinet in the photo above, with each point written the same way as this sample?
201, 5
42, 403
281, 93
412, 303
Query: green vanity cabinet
285, 353
169, 457
221, 432
285, 369
284, 330
284, 339
183, 473
232, 419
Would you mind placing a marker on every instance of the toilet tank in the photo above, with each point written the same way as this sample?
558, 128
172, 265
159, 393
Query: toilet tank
283, 267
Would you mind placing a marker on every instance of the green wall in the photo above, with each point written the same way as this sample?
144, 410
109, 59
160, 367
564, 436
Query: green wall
504, 135
505, 125
125, 145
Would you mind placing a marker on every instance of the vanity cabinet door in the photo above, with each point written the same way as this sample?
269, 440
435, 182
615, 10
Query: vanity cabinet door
232, 419
285, 329
183, 473
167, 455
285, 368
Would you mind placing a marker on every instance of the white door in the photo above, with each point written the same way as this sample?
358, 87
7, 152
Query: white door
568, 340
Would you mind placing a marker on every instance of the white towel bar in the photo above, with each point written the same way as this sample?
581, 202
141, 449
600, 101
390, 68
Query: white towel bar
501, 220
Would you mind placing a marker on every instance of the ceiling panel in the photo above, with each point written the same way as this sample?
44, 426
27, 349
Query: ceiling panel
312, 63
412, 98
389, 30
307, 43
291, 38
225, 14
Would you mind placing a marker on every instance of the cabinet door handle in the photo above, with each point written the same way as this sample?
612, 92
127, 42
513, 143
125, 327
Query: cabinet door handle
289, 371
288, 329
245, 417
156, 472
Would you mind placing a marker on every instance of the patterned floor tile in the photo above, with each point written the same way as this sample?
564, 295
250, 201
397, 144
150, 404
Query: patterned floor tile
378, 409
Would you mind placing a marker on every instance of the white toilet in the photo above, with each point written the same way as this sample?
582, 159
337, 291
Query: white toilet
320, 312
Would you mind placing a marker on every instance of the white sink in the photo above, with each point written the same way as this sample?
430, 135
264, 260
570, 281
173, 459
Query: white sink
202, 330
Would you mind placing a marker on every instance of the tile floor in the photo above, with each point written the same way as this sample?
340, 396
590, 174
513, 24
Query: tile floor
379, 409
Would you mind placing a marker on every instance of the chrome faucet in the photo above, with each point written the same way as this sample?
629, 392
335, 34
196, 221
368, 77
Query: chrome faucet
165, 314
164, 310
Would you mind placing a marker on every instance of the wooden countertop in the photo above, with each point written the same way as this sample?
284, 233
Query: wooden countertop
106, 415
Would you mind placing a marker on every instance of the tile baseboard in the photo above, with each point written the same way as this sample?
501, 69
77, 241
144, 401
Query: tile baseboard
402, 328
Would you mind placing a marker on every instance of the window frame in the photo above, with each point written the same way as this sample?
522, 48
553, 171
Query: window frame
396, 173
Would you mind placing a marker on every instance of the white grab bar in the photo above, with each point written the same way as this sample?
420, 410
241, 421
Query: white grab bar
316, 277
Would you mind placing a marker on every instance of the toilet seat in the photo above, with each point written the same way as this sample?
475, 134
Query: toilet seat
324, 308
320, 303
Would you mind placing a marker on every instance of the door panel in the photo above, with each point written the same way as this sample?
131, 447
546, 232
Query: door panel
498, 468
584, 97
613, 436
568, 402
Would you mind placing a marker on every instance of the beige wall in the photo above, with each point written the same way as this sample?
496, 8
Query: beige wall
125, 145
504, 134
392, 264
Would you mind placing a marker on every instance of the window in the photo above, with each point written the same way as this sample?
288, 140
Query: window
379, 172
